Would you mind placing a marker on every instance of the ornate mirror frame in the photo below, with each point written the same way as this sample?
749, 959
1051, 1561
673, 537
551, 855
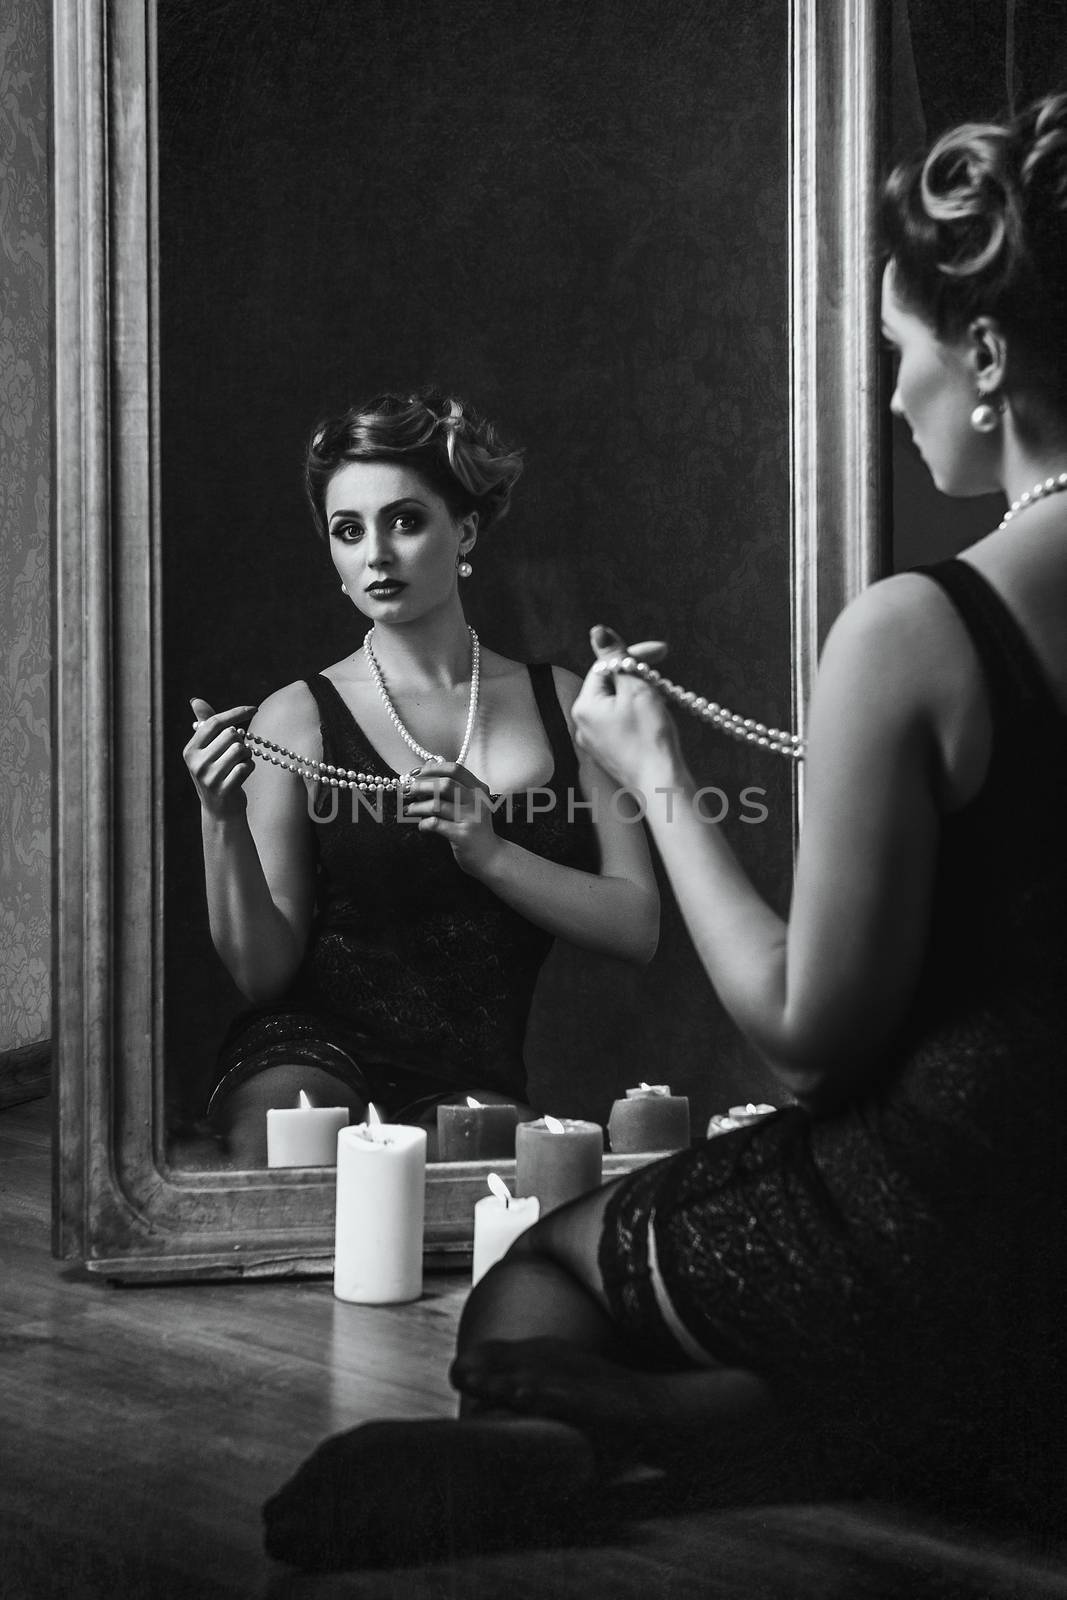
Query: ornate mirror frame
120, 1209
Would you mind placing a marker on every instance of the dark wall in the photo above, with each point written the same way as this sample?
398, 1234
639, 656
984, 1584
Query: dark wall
574, 213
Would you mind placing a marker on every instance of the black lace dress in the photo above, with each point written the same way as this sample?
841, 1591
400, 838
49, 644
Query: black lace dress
898, 1271
417, 979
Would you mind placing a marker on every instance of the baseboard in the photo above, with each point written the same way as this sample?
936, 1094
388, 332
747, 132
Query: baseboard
25, 1073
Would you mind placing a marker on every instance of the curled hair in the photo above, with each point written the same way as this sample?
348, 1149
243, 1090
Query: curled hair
979, 227
456, 452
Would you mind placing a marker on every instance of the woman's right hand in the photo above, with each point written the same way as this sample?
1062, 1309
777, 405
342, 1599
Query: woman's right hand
623, 723
218, 759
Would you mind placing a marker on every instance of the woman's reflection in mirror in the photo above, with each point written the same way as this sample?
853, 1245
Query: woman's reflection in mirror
390, 946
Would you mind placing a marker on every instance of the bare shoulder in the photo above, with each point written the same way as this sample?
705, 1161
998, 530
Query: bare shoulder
897, 631
495, 665
895, 606
351, 671
899, 662
513, 677
287, 716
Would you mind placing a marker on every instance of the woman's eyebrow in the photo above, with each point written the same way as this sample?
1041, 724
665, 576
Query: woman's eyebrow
407, 500
394, 505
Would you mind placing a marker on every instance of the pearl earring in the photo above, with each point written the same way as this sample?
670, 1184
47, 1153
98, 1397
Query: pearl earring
464, 569
985, 418
343, 589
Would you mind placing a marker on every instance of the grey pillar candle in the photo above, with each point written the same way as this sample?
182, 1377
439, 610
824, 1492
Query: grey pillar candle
557, 1159
476, 1133
649, 1118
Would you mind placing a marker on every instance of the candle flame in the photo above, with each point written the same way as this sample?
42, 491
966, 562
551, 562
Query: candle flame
750, 1110
473, 1103
554, 1125
499, 1188
305, 1103
373, 1119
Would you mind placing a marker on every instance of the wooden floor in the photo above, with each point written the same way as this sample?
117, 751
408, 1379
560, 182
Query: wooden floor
141, 1429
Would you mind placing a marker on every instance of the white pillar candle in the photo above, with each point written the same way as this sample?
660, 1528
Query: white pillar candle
498, 1221
305, 1135
381, 1203
558, 1159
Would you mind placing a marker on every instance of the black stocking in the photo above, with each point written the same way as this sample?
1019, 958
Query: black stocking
478, 1483
550, 1410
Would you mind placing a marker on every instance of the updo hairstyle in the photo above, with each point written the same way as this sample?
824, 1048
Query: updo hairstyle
979, 227
456, 452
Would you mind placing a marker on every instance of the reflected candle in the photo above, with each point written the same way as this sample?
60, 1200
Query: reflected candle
305, 1136
381, 1204
475, 1132
557, 1159
649, 1118
737, 1117
498, 1221
748, 1113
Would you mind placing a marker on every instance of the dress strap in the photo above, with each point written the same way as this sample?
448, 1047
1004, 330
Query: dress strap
343, 741
1015, 677
555, 723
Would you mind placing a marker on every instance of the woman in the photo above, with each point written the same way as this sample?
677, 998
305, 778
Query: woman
390, 925
880, 1271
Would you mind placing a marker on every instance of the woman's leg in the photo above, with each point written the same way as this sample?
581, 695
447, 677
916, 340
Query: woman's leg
473, 1483
548, 1283
537, 1338
550, 1397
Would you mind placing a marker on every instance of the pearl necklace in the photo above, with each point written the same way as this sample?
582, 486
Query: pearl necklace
323, 772
394, 715
1054, 485
747, 729
369, 782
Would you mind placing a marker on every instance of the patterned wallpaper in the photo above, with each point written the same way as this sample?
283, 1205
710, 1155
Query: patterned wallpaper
25, 449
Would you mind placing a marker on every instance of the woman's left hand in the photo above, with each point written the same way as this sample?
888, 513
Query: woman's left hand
450, 801
622, 723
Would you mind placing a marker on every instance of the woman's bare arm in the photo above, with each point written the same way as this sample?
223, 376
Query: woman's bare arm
822, 994
259, 860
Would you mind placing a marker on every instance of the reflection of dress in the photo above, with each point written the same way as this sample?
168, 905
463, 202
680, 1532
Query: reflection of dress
898, 1271
417, 978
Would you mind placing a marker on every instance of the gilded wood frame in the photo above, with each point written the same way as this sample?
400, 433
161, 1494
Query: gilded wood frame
120, 1209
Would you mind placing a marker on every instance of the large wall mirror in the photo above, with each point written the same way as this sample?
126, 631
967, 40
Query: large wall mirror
639, 237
